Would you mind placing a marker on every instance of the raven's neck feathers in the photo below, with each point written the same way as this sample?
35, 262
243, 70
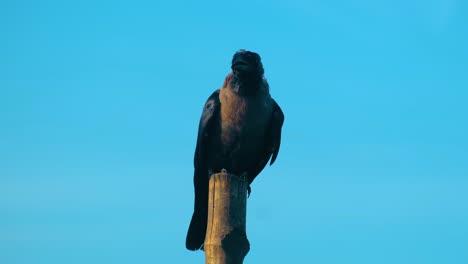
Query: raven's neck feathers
245, 84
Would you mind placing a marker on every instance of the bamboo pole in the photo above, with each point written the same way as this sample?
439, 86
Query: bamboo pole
226, 240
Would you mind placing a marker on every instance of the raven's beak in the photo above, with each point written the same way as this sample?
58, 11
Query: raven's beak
240, 64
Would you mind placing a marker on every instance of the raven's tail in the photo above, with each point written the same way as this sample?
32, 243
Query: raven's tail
197, 229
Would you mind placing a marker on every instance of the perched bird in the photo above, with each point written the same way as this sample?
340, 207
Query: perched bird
239, 131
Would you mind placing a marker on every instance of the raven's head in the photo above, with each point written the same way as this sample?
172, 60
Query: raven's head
247, 73
247, 62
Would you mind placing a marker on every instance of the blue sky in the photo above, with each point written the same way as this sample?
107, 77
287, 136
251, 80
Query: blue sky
100, 102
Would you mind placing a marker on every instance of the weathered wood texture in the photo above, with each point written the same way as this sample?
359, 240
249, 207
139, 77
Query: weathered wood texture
226, 240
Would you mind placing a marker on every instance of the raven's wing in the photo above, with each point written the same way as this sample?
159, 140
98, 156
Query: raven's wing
197, 228
272, 142
207, 122
275, 128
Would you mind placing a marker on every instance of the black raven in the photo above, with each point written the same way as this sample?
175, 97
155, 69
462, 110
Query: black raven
239, 131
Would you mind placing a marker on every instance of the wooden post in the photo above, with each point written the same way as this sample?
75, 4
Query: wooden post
226, 240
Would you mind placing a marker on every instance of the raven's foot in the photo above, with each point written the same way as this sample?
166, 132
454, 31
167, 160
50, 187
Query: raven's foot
249, 190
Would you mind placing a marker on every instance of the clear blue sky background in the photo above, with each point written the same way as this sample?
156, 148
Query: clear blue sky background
100, 102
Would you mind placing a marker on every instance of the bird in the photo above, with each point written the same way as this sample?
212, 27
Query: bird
239, 132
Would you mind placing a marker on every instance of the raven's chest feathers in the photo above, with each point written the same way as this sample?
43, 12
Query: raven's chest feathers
244, 119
